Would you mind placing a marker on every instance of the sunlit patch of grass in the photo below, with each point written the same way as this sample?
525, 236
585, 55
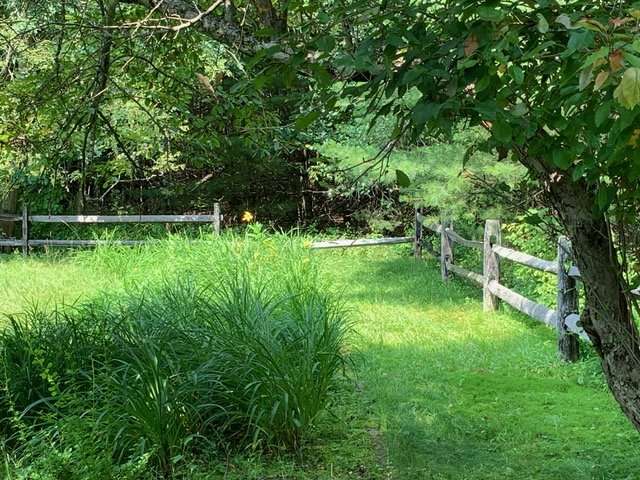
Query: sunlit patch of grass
225, 352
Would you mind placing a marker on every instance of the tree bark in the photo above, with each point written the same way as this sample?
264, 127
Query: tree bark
608, 320
9, 205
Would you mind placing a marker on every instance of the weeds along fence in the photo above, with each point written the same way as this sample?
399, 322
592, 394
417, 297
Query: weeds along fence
27, 219
565, 318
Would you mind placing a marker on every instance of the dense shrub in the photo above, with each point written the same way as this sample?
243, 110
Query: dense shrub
246, 359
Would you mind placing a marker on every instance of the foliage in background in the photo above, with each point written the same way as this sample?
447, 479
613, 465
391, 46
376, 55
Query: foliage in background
136, 119
441, 182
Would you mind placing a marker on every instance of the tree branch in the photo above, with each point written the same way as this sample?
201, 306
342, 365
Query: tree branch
186, 20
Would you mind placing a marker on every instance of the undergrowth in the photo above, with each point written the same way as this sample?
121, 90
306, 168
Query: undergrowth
224, 352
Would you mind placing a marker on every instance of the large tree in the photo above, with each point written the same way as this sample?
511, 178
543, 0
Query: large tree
556, 84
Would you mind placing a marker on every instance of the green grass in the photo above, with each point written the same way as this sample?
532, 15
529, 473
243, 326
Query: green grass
440, 176
230, 351
459, 394
443, 391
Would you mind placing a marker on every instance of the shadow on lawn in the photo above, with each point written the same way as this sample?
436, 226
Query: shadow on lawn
484, 408
445, 415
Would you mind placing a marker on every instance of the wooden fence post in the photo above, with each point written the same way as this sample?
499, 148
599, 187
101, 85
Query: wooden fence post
568, 344
491, 270
446, 249
217, 219
25, 229
417, 242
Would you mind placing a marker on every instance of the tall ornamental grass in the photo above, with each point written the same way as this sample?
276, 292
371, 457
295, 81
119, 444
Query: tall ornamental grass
241, 346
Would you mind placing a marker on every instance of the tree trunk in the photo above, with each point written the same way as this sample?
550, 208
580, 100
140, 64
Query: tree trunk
10, 206
608, 320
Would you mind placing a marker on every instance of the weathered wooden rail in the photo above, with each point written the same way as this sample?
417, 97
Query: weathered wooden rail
369, 242
565, 318
26, 219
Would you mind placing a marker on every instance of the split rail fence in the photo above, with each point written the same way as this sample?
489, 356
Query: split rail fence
565, 318
26, 219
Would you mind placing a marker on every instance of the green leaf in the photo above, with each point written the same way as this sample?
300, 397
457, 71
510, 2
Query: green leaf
601, 54
325, 43
605, 196
423, 112
483, 83
303, 121
470, 152
543, 25
628, 92
502, 131
602, 114
633, 60
533, 218
490, 14
323, 17
562, 158
519, 110
488, 109
586, 77
591, 24
518, 74
580, 39
403, 179
564, 20
321, 75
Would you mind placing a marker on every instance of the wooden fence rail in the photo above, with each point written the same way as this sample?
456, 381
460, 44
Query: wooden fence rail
360, 243
565, 318
26, 219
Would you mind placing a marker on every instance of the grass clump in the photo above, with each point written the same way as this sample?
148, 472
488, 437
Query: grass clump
245, 357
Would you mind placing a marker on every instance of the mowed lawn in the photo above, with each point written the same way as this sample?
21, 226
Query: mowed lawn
441, 390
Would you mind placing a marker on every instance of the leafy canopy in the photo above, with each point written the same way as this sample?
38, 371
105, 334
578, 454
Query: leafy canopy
558, 81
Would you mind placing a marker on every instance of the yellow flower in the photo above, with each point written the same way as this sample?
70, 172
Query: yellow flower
247, 217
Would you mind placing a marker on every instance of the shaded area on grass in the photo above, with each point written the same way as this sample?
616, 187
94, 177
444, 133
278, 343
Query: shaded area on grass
460, 394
